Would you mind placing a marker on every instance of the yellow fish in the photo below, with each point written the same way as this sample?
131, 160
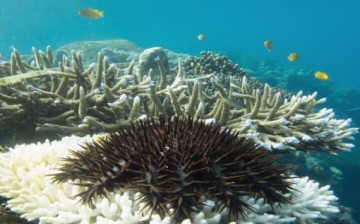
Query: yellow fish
201, 36
268, 45
91, 13
321, 75
293, 57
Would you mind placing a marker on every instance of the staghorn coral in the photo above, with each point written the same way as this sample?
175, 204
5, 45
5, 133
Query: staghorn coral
77, 99
222, 66
80, 99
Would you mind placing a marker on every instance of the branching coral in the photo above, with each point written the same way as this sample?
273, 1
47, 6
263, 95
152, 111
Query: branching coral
76, 99
73, 98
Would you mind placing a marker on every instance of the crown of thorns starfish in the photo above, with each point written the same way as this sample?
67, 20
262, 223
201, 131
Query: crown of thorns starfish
175, 161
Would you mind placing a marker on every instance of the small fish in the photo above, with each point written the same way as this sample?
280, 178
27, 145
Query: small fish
268, 45
91, 13
201, 36
321, 75
293, 57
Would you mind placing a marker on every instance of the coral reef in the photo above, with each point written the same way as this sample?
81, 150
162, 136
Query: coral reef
43, 99
288, 78
343, 99
117, 51
222, 66
175, 162
25, 178
155, 59
209, 63
77, 99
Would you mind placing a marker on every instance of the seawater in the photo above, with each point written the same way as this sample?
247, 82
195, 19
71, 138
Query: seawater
326, 33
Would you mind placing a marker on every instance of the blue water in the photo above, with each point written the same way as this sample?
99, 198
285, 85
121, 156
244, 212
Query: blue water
325, 32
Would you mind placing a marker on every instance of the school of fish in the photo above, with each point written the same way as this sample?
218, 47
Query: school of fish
268, 44
294, 57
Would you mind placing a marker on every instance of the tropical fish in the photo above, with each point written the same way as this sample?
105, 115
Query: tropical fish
293, 57
91, 13
268, 45
201, 36
321, 75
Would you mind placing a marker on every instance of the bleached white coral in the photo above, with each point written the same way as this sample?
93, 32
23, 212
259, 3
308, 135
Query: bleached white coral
277, 119
309, 201
25, 182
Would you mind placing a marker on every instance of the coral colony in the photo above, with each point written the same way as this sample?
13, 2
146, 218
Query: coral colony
188, 144
72, 99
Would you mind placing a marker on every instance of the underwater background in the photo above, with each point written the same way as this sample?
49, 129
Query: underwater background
326, 33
